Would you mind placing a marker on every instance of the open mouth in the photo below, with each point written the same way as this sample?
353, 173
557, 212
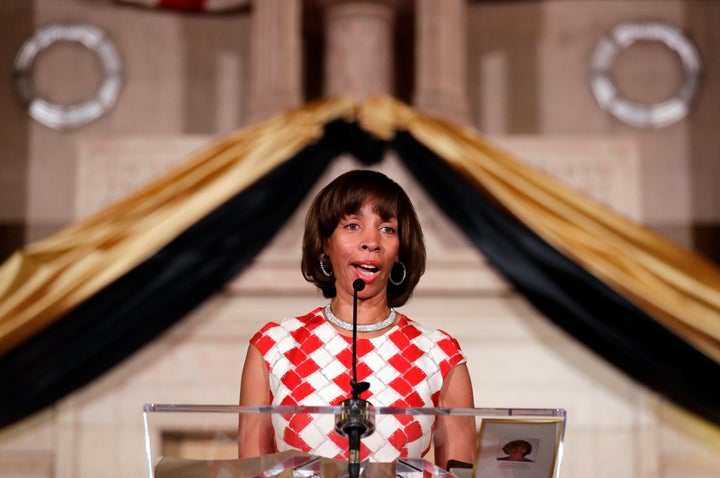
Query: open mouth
366, 270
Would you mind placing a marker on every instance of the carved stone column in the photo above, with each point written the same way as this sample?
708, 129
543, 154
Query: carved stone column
359, 58
441, 44
275, 57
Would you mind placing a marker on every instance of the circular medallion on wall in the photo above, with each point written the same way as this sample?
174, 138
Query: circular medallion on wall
636, 113
91, 107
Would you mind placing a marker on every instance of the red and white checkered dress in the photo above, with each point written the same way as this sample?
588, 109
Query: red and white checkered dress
309, 363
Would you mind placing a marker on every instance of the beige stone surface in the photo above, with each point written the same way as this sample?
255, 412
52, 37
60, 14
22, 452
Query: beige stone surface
605, 168
441, 70
359, 50
188, 77
275, 58
108, 168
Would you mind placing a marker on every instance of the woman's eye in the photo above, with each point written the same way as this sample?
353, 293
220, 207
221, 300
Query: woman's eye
351, 226
388, 230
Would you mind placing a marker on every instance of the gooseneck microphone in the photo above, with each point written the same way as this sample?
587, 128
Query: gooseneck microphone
358, 285
355, 420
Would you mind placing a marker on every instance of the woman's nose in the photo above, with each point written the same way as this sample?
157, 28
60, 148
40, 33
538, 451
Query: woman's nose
370, 241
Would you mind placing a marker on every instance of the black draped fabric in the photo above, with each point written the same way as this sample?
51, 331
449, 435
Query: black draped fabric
140, 305
567, 294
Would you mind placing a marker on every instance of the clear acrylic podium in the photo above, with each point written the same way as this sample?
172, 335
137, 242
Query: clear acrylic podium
183, 441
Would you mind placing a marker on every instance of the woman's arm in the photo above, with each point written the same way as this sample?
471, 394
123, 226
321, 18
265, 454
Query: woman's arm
455, 437
255, 432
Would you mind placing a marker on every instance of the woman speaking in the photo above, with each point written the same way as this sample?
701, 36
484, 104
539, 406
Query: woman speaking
360, 226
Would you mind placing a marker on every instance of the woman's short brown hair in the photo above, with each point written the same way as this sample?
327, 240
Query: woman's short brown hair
344, 196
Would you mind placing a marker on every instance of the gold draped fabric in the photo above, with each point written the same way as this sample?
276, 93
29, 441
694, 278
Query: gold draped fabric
674, 285
46, 279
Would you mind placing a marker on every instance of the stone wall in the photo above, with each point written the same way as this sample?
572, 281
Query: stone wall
187, 81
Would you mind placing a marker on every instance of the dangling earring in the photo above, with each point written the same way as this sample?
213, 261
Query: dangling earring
404, 274
325, 272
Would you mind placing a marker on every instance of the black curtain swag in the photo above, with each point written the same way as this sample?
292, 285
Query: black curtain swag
567, 294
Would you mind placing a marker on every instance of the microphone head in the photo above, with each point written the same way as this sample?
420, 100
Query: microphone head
358, 284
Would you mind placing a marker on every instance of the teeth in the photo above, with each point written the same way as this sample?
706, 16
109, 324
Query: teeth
366, 270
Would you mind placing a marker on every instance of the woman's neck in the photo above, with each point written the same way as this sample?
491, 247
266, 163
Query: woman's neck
369, 311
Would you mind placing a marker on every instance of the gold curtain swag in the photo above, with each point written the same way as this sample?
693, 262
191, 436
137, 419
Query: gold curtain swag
46, 279
677, 287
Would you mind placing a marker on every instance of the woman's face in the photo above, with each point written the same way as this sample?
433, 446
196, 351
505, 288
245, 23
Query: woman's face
518, 449
363, 246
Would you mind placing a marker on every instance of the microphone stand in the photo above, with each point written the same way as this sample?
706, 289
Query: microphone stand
355, 420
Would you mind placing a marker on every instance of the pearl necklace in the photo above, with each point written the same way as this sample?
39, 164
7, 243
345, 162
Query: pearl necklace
360, 328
